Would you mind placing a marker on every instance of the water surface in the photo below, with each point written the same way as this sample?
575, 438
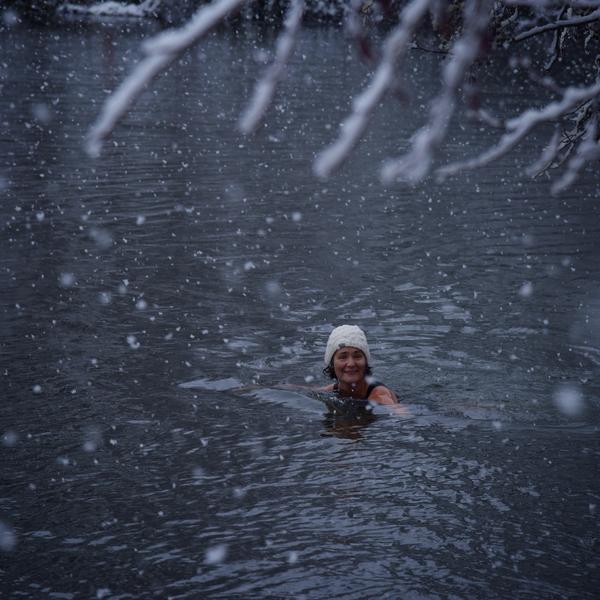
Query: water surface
140, 290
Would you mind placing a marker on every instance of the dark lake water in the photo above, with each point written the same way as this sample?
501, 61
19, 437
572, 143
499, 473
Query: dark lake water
141, 289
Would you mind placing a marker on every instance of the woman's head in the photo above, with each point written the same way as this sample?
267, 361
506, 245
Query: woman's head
347, 354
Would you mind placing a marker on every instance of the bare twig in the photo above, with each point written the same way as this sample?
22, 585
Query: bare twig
556, 45
553, 3
572, 22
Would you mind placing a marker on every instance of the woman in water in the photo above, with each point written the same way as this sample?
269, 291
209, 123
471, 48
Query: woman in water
347, 362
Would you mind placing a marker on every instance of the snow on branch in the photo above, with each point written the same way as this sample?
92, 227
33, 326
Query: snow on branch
265, 87
161, 51
570, 22
588, 150
416, 164
111, 9
519, 127
396, 44
553, 3
547, 157
574, 150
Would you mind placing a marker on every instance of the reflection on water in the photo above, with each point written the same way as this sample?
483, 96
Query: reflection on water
141, 291
347, 426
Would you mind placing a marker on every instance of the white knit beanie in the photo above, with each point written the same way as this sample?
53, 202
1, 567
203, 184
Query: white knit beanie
346, 335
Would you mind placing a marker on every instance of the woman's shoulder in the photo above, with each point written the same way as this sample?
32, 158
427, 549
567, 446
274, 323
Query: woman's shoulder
326, 388
380, 393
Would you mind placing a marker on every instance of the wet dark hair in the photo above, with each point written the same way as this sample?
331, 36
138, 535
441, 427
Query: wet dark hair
330, 371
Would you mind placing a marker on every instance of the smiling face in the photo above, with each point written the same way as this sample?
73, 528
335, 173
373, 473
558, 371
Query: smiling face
350, 365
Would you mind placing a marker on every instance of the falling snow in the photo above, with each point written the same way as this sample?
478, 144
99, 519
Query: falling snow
215, 554
168, 294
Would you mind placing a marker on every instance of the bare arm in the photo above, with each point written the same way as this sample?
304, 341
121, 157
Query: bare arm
383, 395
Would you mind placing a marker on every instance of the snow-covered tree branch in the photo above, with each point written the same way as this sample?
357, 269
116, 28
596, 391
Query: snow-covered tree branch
161, 51
518, 127
467, 30
111, 8
354, 126
417, 163
265, 88
558, 24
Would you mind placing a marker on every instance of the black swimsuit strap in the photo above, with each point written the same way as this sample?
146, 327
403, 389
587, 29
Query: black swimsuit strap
372, 387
